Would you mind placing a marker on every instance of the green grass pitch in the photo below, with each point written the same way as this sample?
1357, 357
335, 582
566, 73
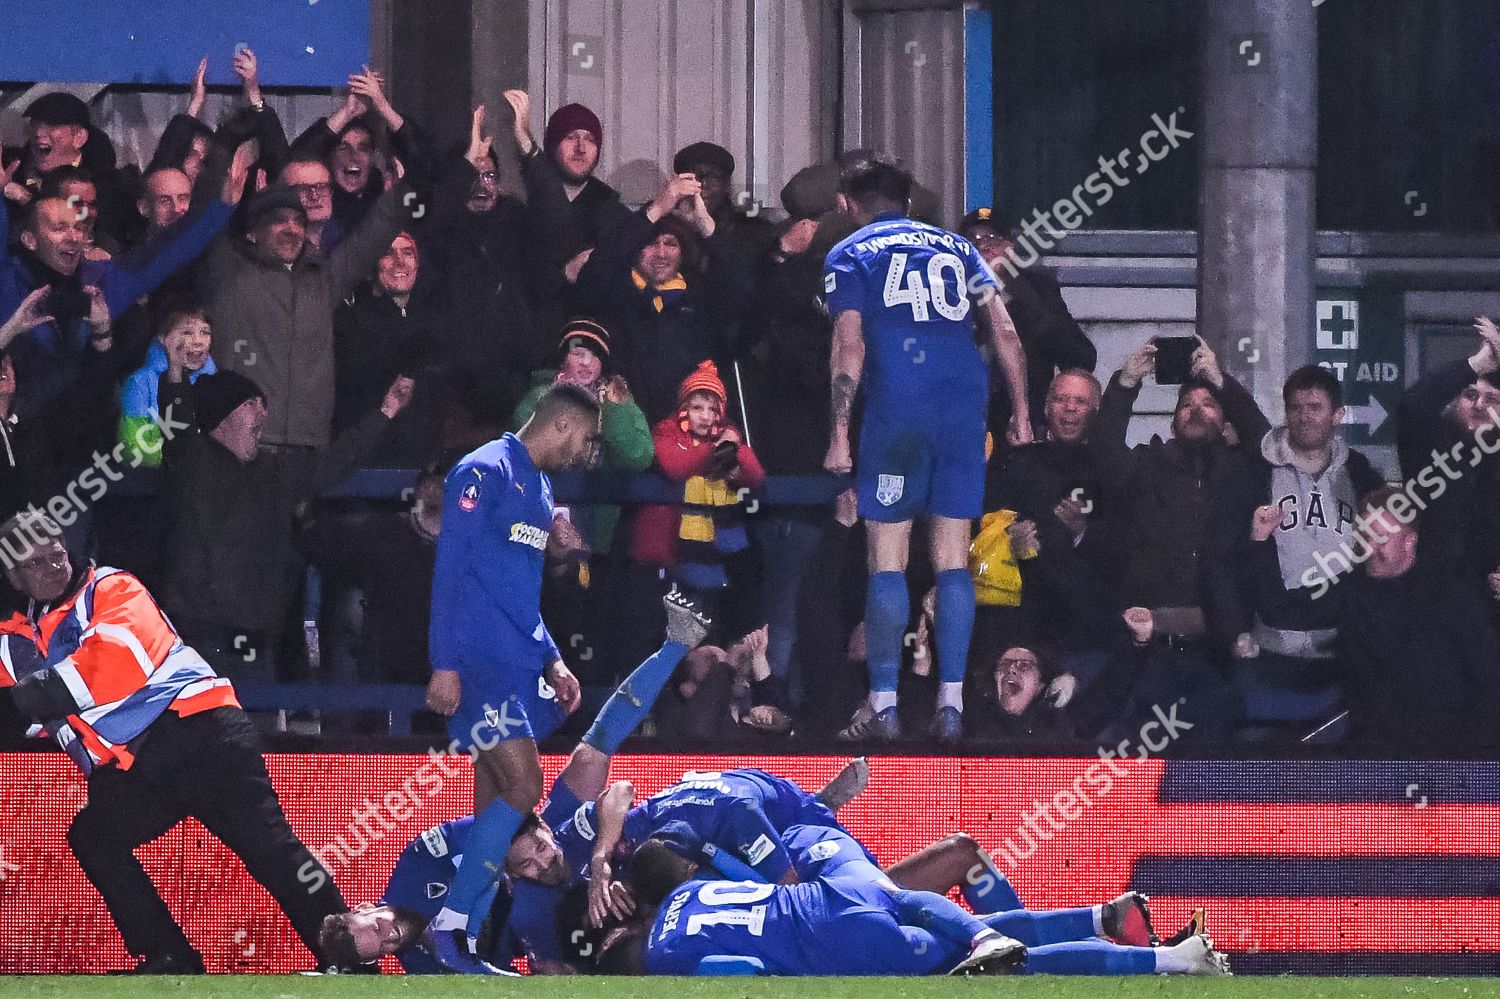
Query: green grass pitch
1038, 987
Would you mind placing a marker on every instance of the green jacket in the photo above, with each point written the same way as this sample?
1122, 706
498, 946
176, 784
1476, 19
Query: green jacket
626, 446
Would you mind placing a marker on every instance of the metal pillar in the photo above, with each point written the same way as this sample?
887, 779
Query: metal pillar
1257, 254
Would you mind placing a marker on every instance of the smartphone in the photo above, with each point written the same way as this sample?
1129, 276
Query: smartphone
1174, 359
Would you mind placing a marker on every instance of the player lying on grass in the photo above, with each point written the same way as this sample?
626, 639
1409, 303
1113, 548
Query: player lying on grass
420, 883
523, 911
950, 863
854, 920
738, 823
737, 816
814, 850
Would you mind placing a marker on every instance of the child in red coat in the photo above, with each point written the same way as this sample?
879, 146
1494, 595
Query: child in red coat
715, 467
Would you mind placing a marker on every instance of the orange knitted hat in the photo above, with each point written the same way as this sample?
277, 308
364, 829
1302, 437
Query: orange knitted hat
704, 379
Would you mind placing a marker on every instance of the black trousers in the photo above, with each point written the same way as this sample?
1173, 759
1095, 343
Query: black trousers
207, 766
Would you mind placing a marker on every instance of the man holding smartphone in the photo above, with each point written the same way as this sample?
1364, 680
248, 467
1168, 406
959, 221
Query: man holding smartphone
1160, 495
911, 291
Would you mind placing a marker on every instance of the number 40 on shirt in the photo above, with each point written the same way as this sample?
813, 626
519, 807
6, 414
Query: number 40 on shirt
907, 287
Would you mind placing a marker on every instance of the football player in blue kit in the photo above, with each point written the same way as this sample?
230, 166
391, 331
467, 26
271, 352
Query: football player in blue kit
497, 673
521, 911
957, 862
737, 816
904, 297
854, 920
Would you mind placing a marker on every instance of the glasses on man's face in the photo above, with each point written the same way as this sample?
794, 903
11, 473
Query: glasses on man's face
488, 177
314, 191
1010, 661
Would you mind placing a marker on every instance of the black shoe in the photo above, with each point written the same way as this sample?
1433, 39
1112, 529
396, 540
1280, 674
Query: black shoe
166, 964
1197, 925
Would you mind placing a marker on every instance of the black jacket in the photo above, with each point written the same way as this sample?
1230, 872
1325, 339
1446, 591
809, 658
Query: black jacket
391, 563
656, 350
1459, 527
558, 230
1072, 591
264, 126
231, 562
1161, 494
484, 259
787, 343
1421, 663
23, 456
374, 341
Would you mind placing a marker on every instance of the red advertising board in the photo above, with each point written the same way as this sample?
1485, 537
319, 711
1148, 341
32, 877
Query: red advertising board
1340, 867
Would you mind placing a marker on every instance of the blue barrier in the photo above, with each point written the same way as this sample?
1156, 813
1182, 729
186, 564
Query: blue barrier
399, 701
568, 487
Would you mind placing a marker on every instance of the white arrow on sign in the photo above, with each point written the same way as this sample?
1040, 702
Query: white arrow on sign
1372, 415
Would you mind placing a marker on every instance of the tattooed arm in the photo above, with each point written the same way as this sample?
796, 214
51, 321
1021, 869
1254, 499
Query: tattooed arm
848, 363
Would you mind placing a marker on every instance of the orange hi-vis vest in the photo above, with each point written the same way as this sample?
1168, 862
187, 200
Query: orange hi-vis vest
121, 660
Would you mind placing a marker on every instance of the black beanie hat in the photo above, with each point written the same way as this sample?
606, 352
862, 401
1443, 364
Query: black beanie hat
217, 395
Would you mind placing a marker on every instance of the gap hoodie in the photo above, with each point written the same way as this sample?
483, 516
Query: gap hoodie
1265, 582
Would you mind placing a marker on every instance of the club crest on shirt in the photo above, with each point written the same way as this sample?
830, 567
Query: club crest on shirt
888, 489
823, 850
469, 498
436, 889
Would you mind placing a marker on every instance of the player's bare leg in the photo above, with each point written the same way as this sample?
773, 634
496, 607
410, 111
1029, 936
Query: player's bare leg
957, 861
887, 605
937, 868
954, 621
511, 771
587, 771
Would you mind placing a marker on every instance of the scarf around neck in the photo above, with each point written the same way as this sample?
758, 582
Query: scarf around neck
670, 291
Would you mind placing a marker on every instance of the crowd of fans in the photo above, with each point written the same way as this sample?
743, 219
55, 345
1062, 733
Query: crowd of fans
261, 317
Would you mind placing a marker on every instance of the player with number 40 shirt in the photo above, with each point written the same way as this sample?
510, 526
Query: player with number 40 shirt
904, 297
